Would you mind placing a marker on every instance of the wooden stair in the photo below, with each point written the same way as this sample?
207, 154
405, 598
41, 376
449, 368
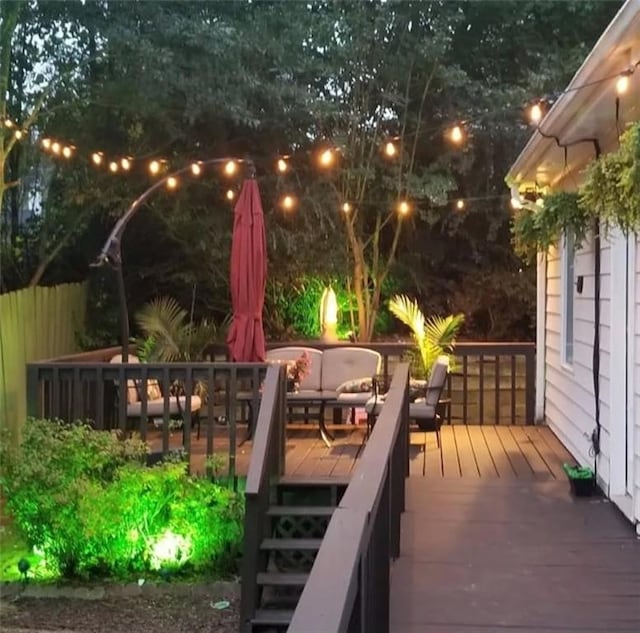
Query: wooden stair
296, 525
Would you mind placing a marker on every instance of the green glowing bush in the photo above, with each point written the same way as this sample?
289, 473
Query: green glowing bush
86, 500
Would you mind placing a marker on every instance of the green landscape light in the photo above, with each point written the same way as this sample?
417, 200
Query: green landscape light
170, 549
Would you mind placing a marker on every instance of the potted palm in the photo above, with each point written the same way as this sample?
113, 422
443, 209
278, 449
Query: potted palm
433, 337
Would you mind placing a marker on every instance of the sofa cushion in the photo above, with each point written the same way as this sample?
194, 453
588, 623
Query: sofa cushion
356, 385
340, 364
354, 399
155, 408
133, 394
313, 379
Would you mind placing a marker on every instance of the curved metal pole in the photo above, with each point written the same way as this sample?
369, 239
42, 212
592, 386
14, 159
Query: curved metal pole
111, 252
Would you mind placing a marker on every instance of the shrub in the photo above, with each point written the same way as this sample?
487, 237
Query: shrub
88, 502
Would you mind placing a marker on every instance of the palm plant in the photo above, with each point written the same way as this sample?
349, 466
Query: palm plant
170, 335
433, 337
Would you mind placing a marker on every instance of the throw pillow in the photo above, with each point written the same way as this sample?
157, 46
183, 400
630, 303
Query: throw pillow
357, 385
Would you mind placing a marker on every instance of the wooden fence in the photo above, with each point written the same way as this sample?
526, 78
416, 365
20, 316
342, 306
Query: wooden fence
35, 323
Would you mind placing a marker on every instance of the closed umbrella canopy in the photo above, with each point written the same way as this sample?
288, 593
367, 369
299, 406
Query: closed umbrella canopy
248, 276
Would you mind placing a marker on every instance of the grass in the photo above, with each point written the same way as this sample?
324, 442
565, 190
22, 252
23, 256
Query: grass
13, 548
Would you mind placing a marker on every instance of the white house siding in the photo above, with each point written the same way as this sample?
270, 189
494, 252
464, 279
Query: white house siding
636, 389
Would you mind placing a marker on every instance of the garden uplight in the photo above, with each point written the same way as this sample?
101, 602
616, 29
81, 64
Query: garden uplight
170, 549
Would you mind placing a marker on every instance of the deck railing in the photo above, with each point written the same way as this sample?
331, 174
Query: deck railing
87, 387
348, 588
267, 464
490, 383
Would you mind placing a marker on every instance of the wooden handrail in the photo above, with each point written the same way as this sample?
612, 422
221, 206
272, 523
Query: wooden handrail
348, 587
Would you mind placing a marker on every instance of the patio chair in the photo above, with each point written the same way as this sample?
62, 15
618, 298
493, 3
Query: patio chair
424, 411
155, 400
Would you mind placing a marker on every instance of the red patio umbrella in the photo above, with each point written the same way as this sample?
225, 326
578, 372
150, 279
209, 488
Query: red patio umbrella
248, 276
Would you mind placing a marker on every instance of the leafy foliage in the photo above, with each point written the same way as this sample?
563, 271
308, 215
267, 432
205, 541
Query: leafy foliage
433, 337
561, 213
87, 502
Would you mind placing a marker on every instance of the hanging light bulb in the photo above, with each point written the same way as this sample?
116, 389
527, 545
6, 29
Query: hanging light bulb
622, 84
231, 194
282, 165
97, 158
126, 164
46, 143
196, 169
230, 168
288, 202
456, 134
326, 158
67, 151
403, 207
8, 123
390, 150
460, 205
55, 147
113, 167
154, 167
535, 113
172, 182
346, 207
18, 134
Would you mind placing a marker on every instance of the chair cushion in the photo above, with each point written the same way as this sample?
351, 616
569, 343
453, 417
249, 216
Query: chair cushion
305, 394
313, 379
373, 405
356, 385
133, 394
155, 408
340, 364
354, 399
421, 410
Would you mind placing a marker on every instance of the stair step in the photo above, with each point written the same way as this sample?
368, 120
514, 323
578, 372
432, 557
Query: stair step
299, 511
281, 579
297, 480
291, 544
272, 617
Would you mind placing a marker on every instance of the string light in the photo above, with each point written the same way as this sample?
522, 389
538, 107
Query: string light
230, 168
456, 135
535, 113
172, 182
288, 202
390, 149
46, 143
154, 167
231, 194
19, 134
55, 147
125, 163
8, 123
460, 205
196, 169
622, 85
67, 151
346, 207
282, 165
403, 207
113, 167
326, 158
97, 158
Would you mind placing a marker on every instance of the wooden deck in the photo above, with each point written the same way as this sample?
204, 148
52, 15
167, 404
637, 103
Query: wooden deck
527, 453
513, 555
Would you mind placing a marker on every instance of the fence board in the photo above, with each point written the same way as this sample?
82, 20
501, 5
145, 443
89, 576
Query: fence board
37, 323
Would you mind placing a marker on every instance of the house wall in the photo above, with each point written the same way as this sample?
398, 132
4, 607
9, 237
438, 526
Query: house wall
636, 386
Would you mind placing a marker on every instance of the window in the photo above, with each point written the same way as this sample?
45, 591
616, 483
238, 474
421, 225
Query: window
568, 257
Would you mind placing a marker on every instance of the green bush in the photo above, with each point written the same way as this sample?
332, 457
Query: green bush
86, 500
